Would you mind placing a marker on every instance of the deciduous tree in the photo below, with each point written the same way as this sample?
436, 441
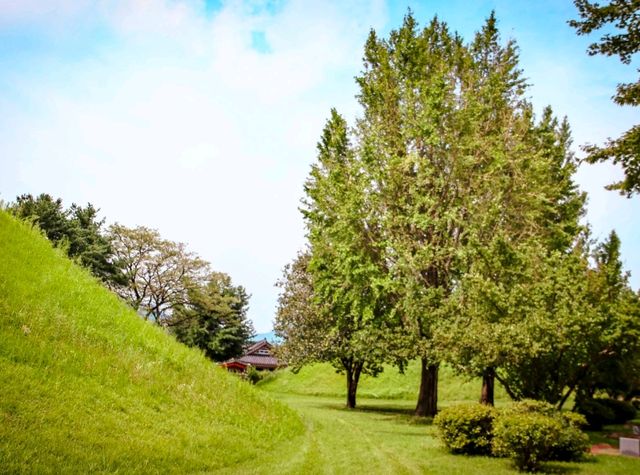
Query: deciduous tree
345, 264
158, 273
214, 318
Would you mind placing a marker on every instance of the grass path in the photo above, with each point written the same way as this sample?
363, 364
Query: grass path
382, 437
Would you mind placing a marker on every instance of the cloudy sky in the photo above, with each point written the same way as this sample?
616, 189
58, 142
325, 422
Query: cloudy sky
200, 118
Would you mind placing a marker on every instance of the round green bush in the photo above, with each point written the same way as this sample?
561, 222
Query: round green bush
623, 411
526, 437
466, 428
596, 413
531, 432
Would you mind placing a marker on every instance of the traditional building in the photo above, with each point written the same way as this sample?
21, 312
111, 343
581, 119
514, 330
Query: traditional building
259, 355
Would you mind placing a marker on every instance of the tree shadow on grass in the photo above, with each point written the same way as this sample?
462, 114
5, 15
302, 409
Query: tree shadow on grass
399, 414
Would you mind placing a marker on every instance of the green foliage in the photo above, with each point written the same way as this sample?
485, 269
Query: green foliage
157, 274
77, 230
624, 42
601, 411
526, 438
87, 386
532, 432
571, 443
552, 324
253, 375
596, 413
343, 290
467, 429
623, 411
214, 318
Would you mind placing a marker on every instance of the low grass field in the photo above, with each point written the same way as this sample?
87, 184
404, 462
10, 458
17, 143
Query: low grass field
382, 435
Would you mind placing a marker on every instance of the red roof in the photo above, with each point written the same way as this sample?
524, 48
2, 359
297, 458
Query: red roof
259, 362
255, 357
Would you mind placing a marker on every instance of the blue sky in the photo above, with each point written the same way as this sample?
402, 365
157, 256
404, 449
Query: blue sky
200, 119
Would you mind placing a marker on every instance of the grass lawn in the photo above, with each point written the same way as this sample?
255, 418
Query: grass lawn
382, 437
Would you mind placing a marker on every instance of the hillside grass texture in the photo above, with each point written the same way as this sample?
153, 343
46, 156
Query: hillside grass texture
87, 386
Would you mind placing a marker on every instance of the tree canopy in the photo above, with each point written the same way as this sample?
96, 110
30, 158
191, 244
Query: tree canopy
445, 225
624, 42
214, 318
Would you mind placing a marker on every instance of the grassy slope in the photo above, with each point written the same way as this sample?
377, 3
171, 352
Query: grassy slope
322, 380
87, 386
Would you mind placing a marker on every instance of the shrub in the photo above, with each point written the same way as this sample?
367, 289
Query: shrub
466, 429
623, 411
596, 413
527, 438
533, 431
253, 375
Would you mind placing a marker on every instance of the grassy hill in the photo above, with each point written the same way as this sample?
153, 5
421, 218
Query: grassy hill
322, 380
87, 386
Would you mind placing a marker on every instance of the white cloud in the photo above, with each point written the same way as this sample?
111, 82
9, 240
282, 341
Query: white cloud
182, 126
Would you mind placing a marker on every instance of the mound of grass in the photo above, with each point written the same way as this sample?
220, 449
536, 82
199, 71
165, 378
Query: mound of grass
88, 386
322, 380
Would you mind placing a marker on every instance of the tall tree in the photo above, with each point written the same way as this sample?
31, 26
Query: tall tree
444, 141
345, 261
624, 42
538, 210
214, 318
158, 273
408, 147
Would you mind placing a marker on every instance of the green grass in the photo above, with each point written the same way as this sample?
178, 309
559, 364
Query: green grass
382, 437
88, 386
322, 380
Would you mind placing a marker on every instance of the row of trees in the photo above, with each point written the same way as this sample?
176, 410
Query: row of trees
163, 281
445, 226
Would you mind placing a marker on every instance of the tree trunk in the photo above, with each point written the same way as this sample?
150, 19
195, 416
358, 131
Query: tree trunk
428, 394
353, 376
488, 386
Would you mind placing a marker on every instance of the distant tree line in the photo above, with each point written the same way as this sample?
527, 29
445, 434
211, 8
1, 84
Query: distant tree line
445, 227
163, 281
